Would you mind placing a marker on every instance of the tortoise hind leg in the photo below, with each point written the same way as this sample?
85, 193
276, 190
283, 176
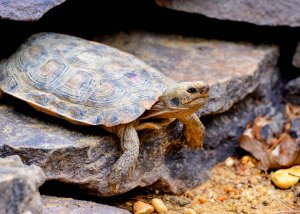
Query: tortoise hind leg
1, 93
126, 163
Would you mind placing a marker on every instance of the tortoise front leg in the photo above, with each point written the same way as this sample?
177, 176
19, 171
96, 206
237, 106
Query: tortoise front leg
130, 145
1, 94
194, 131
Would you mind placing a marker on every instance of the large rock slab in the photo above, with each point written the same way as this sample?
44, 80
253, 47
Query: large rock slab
233, 70
19, 187
260, 12
84, 156
68, 205
26, 10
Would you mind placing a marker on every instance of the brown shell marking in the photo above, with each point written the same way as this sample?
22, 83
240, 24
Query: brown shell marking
81, 81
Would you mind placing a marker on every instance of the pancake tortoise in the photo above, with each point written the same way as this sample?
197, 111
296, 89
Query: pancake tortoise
89, 83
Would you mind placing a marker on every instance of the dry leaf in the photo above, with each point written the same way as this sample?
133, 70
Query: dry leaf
260, 122
292, 111
274, 153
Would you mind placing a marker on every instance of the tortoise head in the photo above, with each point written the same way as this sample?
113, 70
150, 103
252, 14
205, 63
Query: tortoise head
180, 100
186, 96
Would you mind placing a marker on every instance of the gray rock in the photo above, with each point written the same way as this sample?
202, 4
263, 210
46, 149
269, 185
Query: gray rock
296, 58
68, 205
26, 10
260, 12
19, 187
292, 91
84, 156
233, 70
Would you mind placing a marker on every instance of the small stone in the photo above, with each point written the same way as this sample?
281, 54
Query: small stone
190, 194
246, 159
222, 198
285, 178
254, 204
253, 180
159, 205
265, 203
179, 201
202, 199
140, 207
229, 189
211, 194
229, 162
189, 211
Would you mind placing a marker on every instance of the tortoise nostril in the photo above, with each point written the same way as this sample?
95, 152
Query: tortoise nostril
204, 89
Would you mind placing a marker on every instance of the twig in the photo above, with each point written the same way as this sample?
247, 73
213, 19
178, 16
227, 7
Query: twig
281, 202
287, 212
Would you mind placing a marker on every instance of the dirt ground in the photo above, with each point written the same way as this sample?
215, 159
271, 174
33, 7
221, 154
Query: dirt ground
236, 186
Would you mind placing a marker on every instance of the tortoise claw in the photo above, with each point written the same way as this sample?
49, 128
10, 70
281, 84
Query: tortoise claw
114, 182
115, 187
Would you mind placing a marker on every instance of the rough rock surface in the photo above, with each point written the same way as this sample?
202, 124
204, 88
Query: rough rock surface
26, 10
68, 205
232, 70
292, 91
262, 12
296, 58
19, 187
84, 156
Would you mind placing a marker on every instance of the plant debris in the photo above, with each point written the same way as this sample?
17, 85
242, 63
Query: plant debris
274, 150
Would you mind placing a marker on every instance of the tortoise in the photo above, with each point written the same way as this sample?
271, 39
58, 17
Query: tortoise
89, 83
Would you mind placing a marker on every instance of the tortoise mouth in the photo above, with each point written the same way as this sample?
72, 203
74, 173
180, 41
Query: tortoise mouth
198, 102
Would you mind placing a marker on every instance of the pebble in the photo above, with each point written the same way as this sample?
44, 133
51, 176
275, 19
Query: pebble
189, 211
265, 203
202, 199
229, 162
229, 189
189, 194
286, 178
159, 205
222, 198
254, 204
140, 207
179, 201
245, 159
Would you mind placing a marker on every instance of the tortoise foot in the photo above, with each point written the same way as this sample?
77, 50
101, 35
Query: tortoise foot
115, 182
121, 171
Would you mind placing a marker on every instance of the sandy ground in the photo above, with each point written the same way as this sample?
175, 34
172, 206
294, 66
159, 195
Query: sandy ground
236, 186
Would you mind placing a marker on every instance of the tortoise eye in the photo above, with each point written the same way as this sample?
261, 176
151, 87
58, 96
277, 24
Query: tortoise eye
192, 90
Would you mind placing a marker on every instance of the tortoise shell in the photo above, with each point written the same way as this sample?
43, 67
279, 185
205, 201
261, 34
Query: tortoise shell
82, 81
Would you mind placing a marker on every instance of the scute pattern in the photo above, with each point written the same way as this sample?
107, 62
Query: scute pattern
80, 80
